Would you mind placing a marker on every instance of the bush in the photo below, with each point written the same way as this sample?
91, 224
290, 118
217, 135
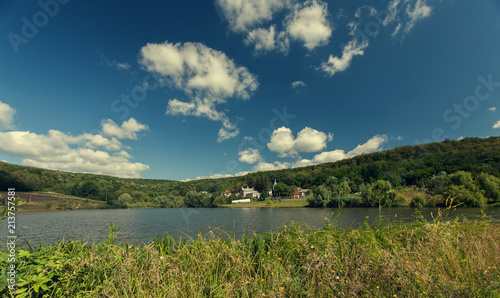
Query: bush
435, 201
418, 201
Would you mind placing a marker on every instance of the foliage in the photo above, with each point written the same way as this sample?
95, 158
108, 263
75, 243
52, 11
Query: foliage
452, 258
429, 166
418, 201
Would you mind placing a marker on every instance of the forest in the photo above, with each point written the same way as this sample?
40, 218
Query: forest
466, 170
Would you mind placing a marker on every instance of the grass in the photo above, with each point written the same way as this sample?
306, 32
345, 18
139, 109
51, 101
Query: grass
288, 203
439, 258
50, 201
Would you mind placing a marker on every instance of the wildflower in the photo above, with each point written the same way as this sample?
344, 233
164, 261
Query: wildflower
268, 253
312, 246
287, 278
279, 259
331, 285
247, 282
378, 288
395, 295
337, 277
161, 258
263, 295
282, 288
262, 280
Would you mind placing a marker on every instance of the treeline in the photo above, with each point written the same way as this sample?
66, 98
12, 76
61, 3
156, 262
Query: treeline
400, 167
461, 188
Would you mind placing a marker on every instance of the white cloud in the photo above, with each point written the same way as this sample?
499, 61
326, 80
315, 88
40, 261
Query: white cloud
266, 166
250, 155
298, 84
6, 116
267, 40
416, 11
225, 134
308, 23
128, 129
400, 138
372, 145
82, 153
351, 49
308, 140
311, 140
496, 125
113, 63
244, 15
493, 109
206, 75
196, 68
282, 140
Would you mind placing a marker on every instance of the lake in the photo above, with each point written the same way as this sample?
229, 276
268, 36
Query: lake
137, 225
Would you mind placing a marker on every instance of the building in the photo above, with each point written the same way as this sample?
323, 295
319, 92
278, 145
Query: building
249, 193
229, 192
303, 192
295, 194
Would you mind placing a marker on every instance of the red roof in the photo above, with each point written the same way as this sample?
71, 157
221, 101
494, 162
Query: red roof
228, 191
295, 192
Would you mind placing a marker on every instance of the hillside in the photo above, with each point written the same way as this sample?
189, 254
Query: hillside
402, 166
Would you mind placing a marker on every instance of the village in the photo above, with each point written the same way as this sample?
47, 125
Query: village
247, 194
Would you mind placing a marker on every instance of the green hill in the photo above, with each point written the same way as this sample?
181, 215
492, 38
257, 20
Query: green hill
402, 166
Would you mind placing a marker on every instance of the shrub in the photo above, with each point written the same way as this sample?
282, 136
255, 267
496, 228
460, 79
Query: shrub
418, 201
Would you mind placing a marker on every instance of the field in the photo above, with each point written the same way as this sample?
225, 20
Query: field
439, 258
50, 201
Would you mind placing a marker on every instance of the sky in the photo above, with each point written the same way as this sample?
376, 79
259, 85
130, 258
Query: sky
195, 89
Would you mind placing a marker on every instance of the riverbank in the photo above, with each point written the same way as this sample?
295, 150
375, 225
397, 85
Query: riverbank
288, 203
436, 258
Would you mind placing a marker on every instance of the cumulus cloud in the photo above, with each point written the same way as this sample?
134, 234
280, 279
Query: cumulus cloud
308, 140
493, 109
496, 125
250, 155
6, 116
267, 40
243, 15
298, 84
128, 129
86, 152
308, 23
305, 22
207, 76
372, 145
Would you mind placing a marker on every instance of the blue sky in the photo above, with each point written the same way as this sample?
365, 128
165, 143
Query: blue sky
189, 89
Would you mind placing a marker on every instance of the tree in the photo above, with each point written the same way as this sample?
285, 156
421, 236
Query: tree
124, 199
322, 196
281, 189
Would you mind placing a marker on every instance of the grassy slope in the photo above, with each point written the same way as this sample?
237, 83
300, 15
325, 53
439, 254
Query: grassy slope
49, 201
436, 259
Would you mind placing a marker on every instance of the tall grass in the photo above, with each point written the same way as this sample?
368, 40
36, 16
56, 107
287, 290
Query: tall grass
438, 258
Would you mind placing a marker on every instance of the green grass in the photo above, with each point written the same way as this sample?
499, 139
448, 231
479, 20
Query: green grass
439, 258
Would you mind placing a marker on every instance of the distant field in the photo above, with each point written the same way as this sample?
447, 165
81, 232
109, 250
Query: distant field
50, 201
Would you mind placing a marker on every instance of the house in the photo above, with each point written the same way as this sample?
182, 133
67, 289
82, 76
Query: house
229, 192
249, 193
295, 194
303, 192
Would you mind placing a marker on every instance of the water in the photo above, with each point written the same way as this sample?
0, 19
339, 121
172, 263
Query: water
137, 225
